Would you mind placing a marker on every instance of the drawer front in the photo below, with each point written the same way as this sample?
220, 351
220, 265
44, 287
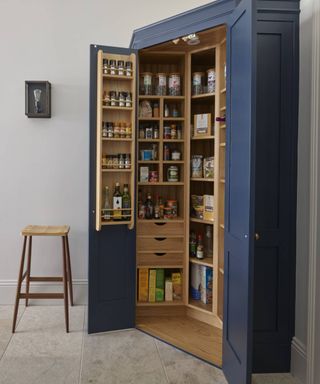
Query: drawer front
167, 228
159, 259
160, 243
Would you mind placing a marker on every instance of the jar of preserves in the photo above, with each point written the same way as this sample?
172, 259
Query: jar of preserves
160, 84
120, 67
113, 67
174, 84
129, 68
146, 83
197, 83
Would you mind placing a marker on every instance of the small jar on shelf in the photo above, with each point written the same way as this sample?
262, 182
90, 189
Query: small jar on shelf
128, 68
113, 67
120, 67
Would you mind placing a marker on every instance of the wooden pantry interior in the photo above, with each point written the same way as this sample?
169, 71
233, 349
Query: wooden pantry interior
168, 131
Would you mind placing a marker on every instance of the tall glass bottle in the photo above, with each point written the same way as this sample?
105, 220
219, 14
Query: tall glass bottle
149, 207
126, 203
208, 241
107, 206
117, 203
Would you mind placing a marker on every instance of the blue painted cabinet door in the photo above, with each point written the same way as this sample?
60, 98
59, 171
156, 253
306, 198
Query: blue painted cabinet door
239, 218
111, 303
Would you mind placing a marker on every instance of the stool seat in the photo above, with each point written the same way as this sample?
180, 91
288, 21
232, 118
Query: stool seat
45, 230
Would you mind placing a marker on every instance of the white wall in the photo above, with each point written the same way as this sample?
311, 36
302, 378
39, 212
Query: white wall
44, 162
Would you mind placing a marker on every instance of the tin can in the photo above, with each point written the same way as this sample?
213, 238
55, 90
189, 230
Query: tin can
174, 84
153, 177
173, 174
173, 204
211, 75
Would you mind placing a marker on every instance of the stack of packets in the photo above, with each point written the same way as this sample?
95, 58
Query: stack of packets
202, 207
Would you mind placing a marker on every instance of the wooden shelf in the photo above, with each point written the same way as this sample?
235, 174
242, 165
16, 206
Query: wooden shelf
223, 109
223, 90
208, 261
159, 303
198, 304
173, 97
155, 266
162, 183
149, 118
173, 119
148, 140
151, 97
221, 271
116, 170
222, 180
117, 108
222, 226
173, 162
148, 161
116, 222
203, 96
222, 144
202, 221
223, 126
117, 77
204, 137
157, 97
173, 140
202, 179
116, 139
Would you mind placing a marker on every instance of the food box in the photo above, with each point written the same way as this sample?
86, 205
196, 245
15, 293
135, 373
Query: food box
208, 202
144, 174
202, 124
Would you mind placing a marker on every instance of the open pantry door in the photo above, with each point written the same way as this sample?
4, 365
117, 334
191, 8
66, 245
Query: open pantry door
111, 232
239, 215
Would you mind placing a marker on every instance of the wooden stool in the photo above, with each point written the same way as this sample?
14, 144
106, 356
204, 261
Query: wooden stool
39, 230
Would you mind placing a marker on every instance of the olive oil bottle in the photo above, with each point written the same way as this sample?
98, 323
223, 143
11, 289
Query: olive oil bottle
117, 203
126, 203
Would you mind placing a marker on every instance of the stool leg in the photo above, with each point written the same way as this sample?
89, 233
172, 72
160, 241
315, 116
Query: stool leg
69, 270
28, 270
16, 306
65, 283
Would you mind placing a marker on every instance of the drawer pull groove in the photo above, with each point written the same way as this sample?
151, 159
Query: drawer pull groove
160, 223
160, 253
160, 238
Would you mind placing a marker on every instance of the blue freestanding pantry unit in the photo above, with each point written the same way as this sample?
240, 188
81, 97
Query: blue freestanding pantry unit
199, 118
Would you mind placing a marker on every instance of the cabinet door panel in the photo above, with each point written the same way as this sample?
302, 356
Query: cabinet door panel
111, 245
239, 217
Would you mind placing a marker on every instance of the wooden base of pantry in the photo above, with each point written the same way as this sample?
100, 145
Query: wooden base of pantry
182, 331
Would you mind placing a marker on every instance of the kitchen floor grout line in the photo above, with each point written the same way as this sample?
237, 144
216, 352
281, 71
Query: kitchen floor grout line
82, 344
161, 362
11, 336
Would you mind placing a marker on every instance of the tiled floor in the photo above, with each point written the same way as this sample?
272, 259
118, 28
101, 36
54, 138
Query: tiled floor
40, 352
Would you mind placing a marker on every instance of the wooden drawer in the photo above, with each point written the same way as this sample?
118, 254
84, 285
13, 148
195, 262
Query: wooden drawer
159, 259
160, 243
167, 228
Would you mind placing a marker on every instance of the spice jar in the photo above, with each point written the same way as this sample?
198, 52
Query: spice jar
122, 99
160, 87
156, 133
175, 155
104, 66
128, 131
173, 131
141, 133
122, 130
104, 161
127, 161
146, 83
113, 67
121, 161
115, 162
173, 174
174, 84
128, 100
113, 98
109, 162
104, 130
110, 130
116, 130
105, 99
128, 68
166, 153
120, 67
155, 110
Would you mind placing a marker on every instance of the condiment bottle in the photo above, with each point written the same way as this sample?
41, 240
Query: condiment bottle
166, 110
127, 161
149, 207
199, 254
193, 244
104, 130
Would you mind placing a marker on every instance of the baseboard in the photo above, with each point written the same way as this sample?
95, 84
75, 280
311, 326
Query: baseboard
299, 360
8, 291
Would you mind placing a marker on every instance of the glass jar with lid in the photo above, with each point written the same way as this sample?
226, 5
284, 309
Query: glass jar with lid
146, 83
105, 67
113, 67
121, 161
104, 129
129, 68
160, 84
122, 99
113, 98
174, 84
120, 67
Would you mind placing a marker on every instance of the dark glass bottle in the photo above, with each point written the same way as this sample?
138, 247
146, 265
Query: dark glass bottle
193, 244
126, 203
149, 207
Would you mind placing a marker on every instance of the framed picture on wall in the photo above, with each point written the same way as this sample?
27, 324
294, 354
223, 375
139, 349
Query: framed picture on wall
38, 99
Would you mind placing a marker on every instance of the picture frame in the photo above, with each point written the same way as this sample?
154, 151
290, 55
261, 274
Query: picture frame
37, 99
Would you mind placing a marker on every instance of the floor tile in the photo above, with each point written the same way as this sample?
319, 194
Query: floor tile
274, 378
182, 368
129, 357
41, 351
6, 317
